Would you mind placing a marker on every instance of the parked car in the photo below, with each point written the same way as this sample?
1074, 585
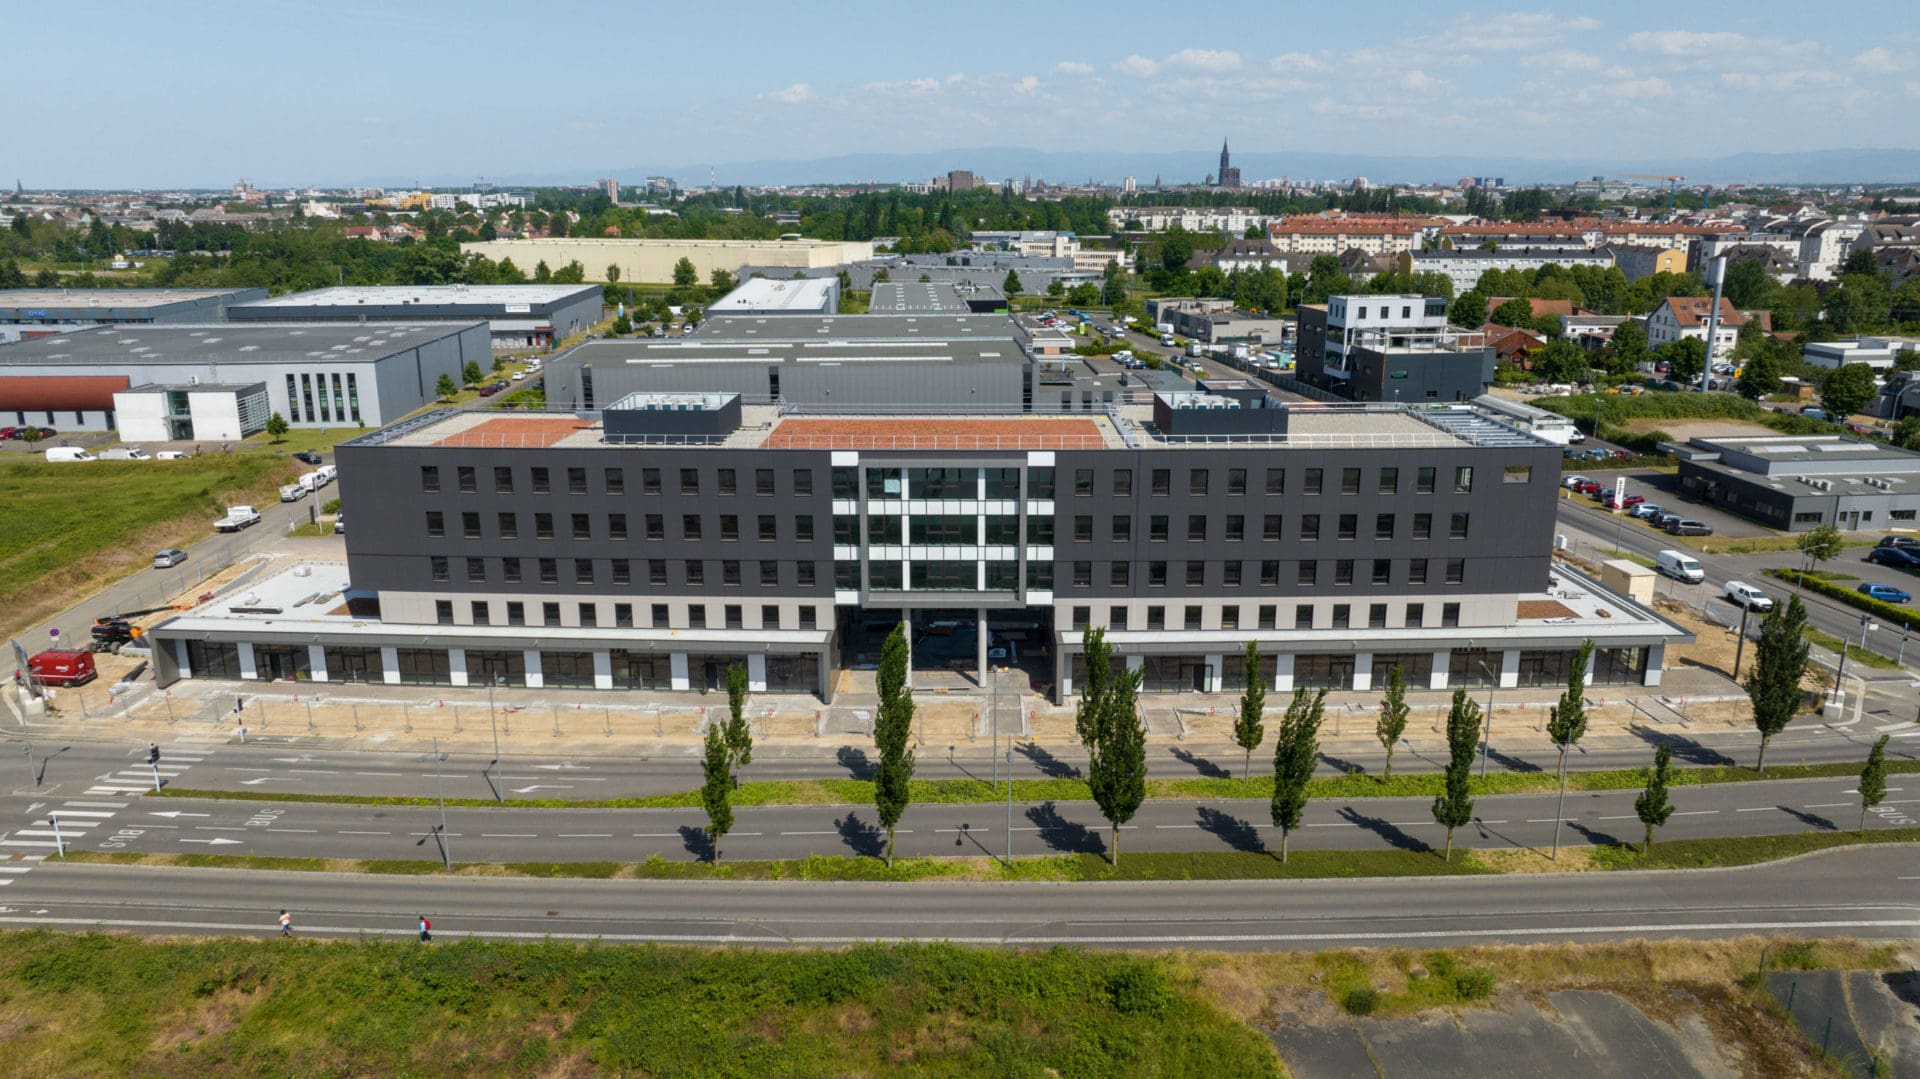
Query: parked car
1588, 487
308, 457
1741, 594
1886, 593
171, 455
1647, 511
1573, 481
1681, 526
69, 453
1898, 541
1907, 558
293, 492
1665, 518
492, 388
7, 432
1680, 566
518, 375
1629, 501
169, 558
339, 524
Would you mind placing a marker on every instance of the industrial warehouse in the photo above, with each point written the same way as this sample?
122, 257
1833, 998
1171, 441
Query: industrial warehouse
26, 313
517, 316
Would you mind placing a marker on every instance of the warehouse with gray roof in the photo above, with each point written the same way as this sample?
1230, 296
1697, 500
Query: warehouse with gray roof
38, 312
517, 316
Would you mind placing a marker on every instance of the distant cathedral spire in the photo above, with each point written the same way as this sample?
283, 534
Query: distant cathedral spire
1226, 160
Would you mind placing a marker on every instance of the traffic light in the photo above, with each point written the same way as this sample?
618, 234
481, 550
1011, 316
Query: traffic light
153, 753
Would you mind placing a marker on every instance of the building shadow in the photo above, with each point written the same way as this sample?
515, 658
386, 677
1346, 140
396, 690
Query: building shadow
1685, 750
1386, 830
1061, 834
697, 841
1596, 836
1235, 832
1199, 764
1049, 765
863, 839
1811, 820
855, 762
1512, 763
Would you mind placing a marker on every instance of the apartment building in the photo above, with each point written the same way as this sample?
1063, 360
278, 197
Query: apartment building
1391, 348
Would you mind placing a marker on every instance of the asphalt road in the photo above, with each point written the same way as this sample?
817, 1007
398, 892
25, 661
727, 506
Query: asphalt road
1856, 892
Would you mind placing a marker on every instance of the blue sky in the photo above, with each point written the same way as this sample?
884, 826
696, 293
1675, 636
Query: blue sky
158, 94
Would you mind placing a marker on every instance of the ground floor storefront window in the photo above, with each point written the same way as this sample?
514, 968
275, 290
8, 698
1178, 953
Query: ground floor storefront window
1416, 668
423, 666
281, 662
354, 665
1545, 668
488, 667
1323, 671
641, 670
1079, 666
794, 674
213, 659
1470, 668
567, 670
1233, 671
1175, 674
1620, 666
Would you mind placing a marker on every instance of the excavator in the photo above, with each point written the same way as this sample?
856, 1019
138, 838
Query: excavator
112, 631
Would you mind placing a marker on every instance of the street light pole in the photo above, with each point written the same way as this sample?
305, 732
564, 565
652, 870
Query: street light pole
1486, 739
1740, 646
499, 795
1009, 803
993, 723
440, 789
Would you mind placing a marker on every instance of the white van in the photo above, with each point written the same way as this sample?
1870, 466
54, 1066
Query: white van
127, 453
69, 453
1681, 567
329, 472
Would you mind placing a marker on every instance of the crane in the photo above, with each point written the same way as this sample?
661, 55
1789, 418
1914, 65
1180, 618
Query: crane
1671, 181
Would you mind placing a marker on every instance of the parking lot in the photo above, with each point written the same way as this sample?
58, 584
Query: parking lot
1663, 488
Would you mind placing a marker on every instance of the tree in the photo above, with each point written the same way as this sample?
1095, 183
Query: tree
471, 372
622, 326
891, 729
542, 274
613, 273
571, 274
1906, 433
1056, 289
1873, 779
739, 735
1392, 721
1685, 359
1652, 806
1779, 663
684, 275
716, 793
446, 387
1817, 545
1628, 346
1011, 284
29, 434
1562, 361
1085, 294
1108, 723
1747, 285
1113, 293
721, 280
1248, 729
1860, 303
1295, 749
276, 427
1848, 389
1454, 807
1469, 309
1512, 313
1567, 724
1759, 376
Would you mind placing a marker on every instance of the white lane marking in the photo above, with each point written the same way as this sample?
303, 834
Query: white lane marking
379, 773
219, 828
14, 868
1696, 813
1756, 809
788, 833
672, 835
307, 830
343, 832
1826, 805
509, 835
596, 835
1156, 826
100, 805
65, 813
26, 843
314, 771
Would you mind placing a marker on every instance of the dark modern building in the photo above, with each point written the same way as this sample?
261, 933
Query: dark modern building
659, 540
517, 316
27, 313
1798, 482
1391, 349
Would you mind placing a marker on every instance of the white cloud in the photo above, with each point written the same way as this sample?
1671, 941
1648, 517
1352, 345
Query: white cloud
1138, 66
1205, 59
1513, 31
1625, 89
1421, 82
1296, 61
793, 95
1880, 61
1027, 85
1072, 67
1564, 60
1686, 43
1803, 79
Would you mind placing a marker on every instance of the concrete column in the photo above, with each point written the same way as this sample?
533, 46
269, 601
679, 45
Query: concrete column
980, 632
1063, 676
756, 672
1589, 678
390, 664
603, 670
1363, 670
1509, 669
1283, 672
1216, 673
1442, 661
180, 658
457, 666
1134, 663
677, 672
317, 660
826, 677
1656, 657
247, 668
535, 679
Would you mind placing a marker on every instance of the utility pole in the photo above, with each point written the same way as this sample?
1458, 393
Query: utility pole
1486, 740
1713, 321
446, 853
1740, 646
1009, 803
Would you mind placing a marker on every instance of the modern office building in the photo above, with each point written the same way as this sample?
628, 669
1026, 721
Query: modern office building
1391, 348
208, 376
517, 316
26, 313
1798, 482
657, 541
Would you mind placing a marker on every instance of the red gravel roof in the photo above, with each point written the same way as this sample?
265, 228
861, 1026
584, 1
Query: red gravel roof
77, 393
933, 433
538, 431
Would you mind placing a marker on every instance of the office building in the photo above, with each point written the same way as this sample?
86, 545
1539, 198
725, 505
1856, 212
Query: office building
517, 316
1798, 482
1391, 348
26, 313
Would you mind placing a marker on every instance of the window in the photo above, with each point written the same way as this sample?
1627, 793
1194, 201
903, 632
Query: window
1191, 617
1517, 474
1039, 483
430, 479
549, 614
656, 526
543, 526
1417, 571
883, 530
1196, 527
1196, 574
656, 571
803, 528
696, 573
1270, 528
1462, 480
1230, 574
589, 614
1123, 481
1156, 575
464, 476
1270, 572
803, 574
1308, 574
1004, 530
1157, 528
1342, 616
1083, 575
443, 612
697, 616
616, 481
1382, 570
1383, 526
1119, 576
1122, 528
1309, 527
1349, 481
767, 531
516, 613
1450, 615
1303, 616
1376, 616
1081, 616
438, 564
478, 610
1422, 526
1160, 481
769, 574
1197, 480
1156, 618
689, 526
502, 480
769, 616
763, 485
1349, 526
1117, 618
1313, 480
803, 481
1456, 571
1416, 615
1423, 480
1343, 571
583, 571
1389, 481
1276, 481
807, 618
1040, 576
510, 570
1236, 528
1082, 482
689, 481
582, 526
436, 523
622, 571
846, 482
1236, 481
542, 484
1457, 528
1230, 617
1082, 529
549, 571
623, 614
658, 612
576, 481
730, 572
476, 570
726, 481
649, 481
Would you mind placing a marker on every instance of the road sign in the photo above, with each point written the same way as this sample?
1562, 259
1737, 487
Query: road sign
54, 632
1619, 493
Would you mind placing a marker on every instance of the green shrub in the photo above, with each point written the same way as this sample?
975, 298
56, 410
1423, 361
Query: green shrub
1361, 1000
331, 505
1139, 989
1892, 613
1475, 984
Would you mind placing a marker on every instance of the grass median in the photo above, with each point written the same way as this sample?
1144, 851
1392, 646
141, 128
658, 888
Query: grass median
799, 792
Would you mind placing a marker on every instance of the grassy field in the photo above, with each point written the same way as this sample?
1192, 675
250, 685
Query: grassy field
68, 529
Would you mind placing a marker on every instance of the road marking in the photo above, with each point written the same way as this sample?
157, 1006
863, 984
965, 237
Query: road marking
314, 771
1548, 820
100, 805
214, 842
1756, 809
509, 835
65, 813
25, 843
1160, 826
811, 833
379, 773
1826, 805
219, 828
1695, 813
307, 830
673, 835
171, 814
343, 832
597, 835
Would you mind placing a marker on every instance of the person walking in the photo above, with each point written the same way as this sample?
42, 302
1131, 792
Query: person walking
426, 930
286, 924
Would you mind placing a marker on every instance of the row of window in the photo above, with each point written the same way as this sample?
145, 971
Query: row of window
1267, 615
613, 480
480, 612
1346, 527
1307, 572
1200, 481
731, 572
653, 526
340, 405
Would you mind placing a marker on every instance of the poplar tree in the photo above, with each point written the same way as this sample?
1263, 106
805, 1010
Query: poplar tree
1393, 716
1248, 730
1652, 806
891, 730
1567, 724
1108, 722
1779, 663
739, 733
1295, 749
1873, 779
716, 794
1454, 807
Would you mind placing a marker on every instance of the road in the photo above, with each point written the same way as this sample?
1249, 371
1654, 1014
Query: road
1856, 892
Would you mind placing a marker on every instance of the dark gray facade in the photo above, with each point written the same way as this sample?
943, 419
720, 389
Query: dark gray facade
1394, 374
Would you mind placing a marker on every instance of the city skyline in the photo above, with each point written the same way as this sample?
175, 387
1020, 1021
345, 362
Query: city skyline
431, 90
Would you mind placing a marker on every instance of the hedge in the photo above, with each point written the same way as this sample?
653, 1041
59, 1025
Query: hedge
1893, 613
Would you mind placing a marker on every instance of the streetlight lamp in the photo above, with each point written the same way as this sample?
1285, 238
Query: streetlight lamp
440, 833
1486, 739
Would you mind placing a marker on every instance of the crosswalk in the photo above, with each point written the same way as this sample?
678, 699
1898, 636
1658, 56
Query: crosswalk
57, 824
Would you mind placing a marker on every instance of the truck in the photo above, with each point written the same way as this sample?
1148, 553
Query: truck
61, 667
237, 518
